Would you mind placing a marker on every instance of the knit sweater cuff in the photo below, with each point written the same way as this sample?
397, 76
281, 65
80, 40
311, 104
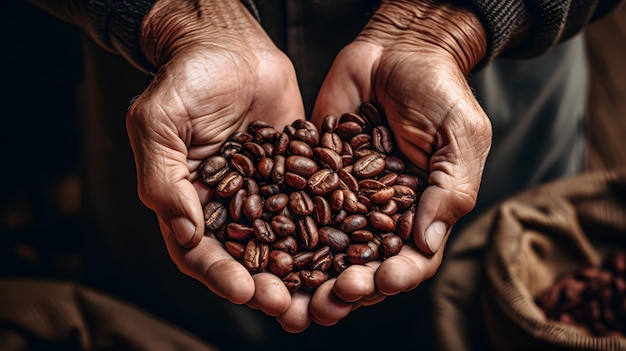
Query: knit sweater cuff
115, 25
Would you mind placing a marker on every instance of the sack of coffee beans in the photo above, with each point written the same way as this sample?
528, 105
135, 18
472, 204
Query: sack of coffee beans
542, 270
304, 203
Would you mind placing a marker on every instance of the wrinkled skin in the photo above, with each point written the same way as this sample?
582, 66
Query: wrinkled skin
216, 77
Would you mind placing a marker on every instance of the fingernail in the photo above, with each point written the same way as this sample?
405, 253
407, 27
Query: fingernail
183, 229
434, 235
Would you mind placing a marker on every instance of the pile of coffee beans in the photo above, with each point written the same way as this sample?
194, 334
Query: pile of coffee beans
593, 299
304, 203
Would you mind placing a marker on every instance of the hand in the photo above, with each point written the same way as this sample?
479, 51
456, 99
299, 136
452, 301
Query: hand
217, 71
412, 58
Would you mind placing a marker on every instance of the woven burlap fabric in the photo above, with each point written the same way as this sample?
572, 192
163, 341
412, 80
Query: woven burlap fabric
484, 292
40, 314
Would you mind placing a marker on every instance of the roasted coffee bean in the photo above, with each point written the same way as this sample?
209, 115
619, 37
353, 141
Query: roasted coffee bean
230, 148
292, 282
389, 208
304, 124
290, 131
329, 123
360, 253
280, 263
322, 211
370, 113
352, 223
295, 181
301, 259
301, 203
236, 204
361, 236
239, 231
213, 169
251, 186
229, 185
381, 222
339, 217
361, 141
322, 259
348, 179
240, 137
323, 182
242, 164
235, 249
215, 215
334, 238
266, 135
404, 196
254, 126
340, 262
269, 190
328, 158
255, 150
300, 148
287, 243
263, 231
309, 136
307, 232
371, 184
252, 207
283, 225
408, 180
256, 255
332, 141
350, 202
281, 144
346, 130
264, 168
278, 172
394, 164
301, 165
354, 117
404, 224
389, 179
369, 166
390, 245
276, 202
336, 200
383, 196
382, 140
312, 279
269, 149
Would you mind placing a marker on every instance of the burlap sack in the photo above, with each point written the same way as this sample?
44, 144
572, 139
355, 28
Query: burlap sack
484, 292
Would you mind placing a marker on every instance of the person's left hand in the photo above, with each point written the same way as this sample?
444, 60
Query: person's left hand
412, 59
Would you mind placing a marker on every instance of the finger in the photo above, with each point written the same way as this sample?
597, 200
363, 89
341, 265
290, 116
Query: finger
326, 308
270, 296
356, 282
297, 317
210, 264
406, 270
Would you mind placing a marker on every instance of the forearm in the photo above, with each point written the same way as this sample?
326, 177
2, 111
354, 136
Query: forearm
528, 28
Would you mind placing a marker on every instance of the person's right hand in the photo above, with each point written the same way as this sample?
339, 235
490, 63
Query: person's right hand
217, 72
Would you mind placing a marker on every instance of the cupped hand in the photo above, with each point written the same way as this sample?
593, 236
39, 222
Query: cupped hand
217, 72
412, 59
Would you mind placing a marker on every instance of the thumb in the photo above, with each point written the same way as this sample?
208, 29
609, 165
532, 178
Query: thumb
437, 212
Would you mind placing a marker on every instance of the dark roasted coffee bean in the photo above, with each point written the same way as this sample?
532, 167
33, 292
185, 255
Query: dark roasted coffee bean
292, 282
354, 117
394, 164
215, 215
350, 202
236, 204
307, 232
235, 249
371, 184
322, 259
304, 124
390, 245
389, 208
389, 179
254, 126
256, 255
290, 131
242, 164
276, 202
329, 123
269, 149
239, 231
280, 263
360, 153
213, 169
281, 144
323, 182
336, 200
370, 112
252, 207
340, 262
220, 234
322, 211
361, 236
264, 168
301, 165
381, 222
382, 140
301, 259
230, 148
408, 180
278, 172
339, 217
349, 180
328, 158
269, 190
287, 243
404, 196
352, 223
266, 135
334, 238
283, 225
360, 253
240, 137
255, 150
251, 186
309, 136
301, 203
312, 279
346, 130
300, 148
332, 141
295, 181
404, 225
369, 166
360, 141
382, 196
229, 185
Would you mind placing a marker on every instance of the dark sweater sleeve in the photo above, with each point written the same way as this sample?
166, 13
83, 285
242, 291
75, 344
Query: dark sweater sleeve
528, 28
113, 24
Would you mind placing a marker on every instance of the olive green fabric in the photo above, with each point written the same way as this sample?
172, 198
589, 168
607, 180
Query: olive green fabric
484, 293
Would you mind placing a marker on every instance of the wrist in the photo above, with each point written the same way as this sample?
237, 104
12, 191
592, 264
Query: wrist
173, 25
447, 27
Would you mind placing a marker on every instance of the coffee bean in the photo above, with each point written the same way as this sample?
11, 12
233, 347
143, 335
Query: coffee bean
213, 169
215, 215
256, 255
